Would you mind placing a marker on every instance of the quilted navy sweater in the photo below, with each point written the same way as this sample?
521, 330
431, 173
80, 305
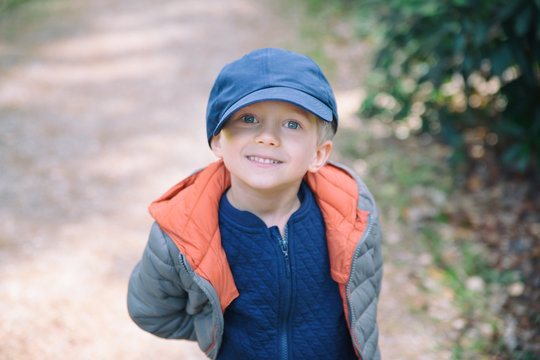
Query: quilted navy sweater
289, 307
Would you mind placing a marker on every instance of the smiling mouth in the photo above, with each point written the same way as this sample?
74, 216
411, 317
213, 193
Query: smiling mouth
264, 161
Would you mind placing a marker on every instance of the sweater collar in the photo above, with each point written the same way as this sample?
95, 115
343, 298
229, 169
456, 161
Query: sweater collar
248, 221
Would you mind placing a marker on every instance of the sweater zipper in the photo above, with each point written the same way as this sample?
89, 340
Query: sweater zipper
284, 243
287, 297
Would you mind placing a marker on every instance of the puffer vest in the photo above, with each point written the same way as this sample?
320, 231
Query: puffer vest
289, 307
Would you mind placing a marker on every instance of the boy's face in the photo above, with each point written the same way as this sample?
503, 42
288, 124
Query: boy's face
270, 145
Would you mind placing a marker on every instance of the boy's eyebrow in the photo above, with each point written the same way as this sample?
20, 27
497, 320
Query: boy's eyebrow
305, 113
300, 111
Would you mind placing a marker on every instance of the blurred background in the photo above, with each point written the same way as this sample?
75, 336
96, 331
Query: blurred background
102, 109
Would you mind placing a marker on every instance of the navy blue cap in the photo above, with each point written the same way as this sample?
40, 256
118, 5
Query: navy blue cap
269, 74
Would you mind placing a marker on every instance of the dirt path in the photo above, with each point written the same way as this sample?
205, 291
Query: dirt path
101, 109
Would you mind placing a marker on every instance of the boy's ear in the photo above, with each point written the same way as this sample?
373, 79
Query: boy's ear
321, 156
215, 145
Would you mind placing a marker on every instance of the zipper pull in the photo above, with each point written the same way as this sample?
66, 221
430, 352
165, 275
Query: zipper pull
285, 249
287, 265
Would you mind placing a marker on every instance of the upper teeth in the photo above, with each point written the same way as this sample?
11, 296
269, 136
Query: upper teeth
262, 160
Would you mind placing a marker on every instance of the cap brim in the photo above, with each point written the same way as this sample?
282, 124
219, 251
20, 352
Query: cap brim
293, 96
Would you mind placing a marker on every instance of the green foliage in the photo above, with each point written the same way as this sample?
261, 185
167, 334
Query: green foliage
9, 5
462, 67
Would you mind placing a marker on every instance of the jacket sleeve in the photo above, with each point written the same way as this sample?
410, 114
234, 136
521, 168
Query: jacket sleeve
158, 291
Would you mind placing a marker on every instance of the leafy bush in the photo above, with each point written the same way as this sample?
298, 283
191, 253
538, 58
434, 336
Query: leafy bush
465, 70
8, 5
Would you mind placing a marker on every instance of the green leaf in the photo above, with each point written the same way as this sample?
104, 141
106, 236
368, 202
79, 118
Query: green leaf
508, 128
523, 21
518, 156
430, 9
536, 124
460, 3
501, 59
459, 46
468, 64
511, 154
525, 64
509, 11
480, 34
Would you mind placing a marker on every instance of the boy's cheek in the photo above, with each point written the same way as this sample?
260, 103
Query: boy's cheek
232, 132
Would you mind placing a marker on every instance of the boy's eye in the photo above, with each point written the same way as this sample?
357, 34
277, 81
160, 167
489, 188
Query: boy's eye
249, 119
292, 125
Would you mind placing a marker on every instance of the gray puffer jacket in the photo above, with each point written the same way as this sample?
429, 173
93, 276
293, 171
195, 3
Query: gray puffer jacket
183, 283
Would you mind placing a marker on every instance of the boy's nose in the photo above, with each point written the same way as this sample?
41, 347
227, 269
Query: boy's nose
268, 136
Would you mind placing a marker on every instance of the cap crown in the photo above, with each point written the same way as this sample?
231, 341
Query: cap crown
269, 74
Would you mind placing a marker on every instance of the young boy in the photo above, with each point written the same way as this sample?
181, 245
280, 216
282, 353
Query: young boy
270, 252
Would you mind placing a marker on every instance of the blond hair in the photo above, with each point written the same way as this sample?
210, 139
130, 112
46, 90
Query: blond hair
325, 130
